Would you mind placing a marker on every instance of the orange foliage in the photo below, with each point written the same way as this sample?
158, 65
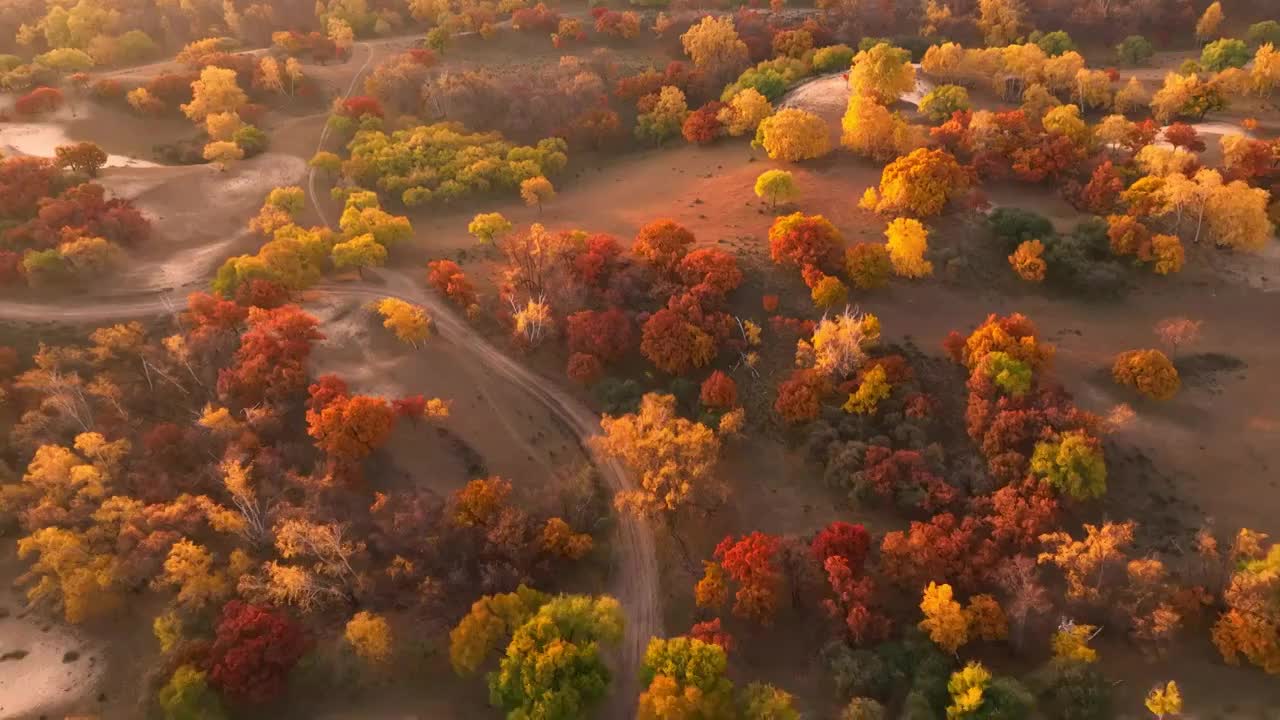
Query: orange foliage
1150, 372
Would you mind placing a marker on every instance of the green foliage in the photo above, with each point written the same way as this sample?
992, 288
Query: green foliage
1082, 261
944, 100
1014, 226
761, 701
553, 667
326, 162
1222, 54
691, 663
187, 696
1073, 691
1267, 31
618, 397
1006, 699
448, 160
868, 42
833, 58
861, 708
136, 46
775, 185
1073, 465
770, 78
1053, 43
250, 139
857, 672
438, 39
491, 621
65, 60
1011, 375
1135, 50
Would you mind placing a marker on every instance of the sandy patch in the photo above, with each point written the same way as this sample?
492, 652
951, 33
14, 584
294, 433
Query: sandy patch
43, 679
43, 138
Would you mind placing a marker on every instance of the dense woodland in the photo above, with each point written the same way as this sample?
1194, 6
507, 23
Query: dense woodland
195, 468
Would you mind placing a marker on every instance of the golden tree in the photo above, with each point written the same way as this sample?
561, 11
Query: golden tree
1165, 702
1150, 372
1070, 643
674, 457
883, 73
536, 191
1001, 21
744, 112
793, 135
1209, 22
1028, 261
714, 46
409, 322
369, 635
918, 184
907, 243
215, 92
70, 575
1084, 562
190, 568
839, 343
944, 619
870, 129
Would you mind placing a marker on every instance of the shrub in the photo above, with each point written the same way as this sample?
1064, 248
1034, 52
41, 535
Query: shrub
38, 101
1225, 53
1135, 50
944, 100
1150, 372
832, 58
868, 265
1261, 33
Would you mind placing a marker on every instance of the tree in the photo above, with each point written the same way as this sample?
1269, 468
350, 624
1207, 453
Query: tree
559, 539
868, 128
1265, 73
800, 396
805, 241
883, 72
222, 153
944, 620
751, 561
744, 112
253, 652
703, 126
187, 696
85, 584
1164, 701
714, 46
1028, 261
793, 135
536, 191
684, 675
604, 334
828, 293
775, 185
710, 274
271, 363
553, 666
491, 620
761, 701
674, 344
409, 322
327, 162
873, 388
839, 343
488, 227
349, 428
38, 101
1247, 626
675, 458
1014, 335
1207, 25
190, 567
1176, 331
907, 243
1135, 50
1083, 562
369, 635
663, 244
1150, 372
1225, 53
868, 265
215, 92
222, 126
359, 253
1073, 464
967, 687
1001, 21
82, 157
918, 184
943, 101
1168, 254
718, 392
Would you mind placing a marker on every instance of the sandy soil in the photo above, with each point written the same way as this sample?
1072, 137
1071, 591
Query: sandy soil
43, 665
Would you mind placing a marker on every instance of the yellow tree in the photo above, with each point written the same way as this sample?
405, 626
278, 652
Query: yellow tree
1236, 213
222, 153
1028, 262
884, 73
714, 46
1131, 97
1070, 643
870, 129
215, 92
907, 243
269, 74
839, 343
793, 135
674, 458
918, 184
775, 185
1265, 72
68, 574
358, 253
1209, 22
409, 322
944, 619
1165, 702
222, 125
369, 635
488, 227
1001, 21
967, 688
536, 191
1084, 562
744, 112
190, 568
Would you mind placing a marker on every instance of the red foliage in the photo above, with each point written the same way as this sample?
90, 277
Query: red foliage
254, 650
172, 89
606, 334
448, 278
854, 602
662, 244
271, 363
800, 396
1054, 157
40, 100
411, 407
584, 368
327, 388
211, 321
954, 135
106, 89
903, 474
769, 303
673, 343
537, 19
953, 345
594, 265
1011, 133
263, 293
751, 561
843, 540
1018, 513
348, 429
83, 209
710, 272
357, 106
709, 632
1182, 135
918, 405
805, 241
421, 56
702, 126
1100, 195
719, 392
23, 182
896, 369
1257, 160
941, 550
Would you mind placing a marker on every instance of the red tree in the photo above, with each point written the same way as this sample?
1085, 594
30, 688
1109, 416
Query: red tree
710, 273
447, 277
23, 182
593, 266
751, 561
719, 392
903, 474
800, 396
606, 334
941, 550
662, 244
327, 388
710, 632
358, 106
254, 650
674, 344
853, 602
40, 100
271, 363
806, 241
410, 407
211, 322
1100, 194
1019, 513
347, 429
584, 368
1182, 135
702, 126
843, 540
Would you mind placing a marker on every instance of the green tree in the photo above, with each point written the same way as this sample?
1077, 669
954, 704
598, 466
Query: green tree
944, 100
553, 666
762, 701
1225, 53
359, 253
1073, 464
187, 696
688, 671
775, 185
1135, 50
487, 227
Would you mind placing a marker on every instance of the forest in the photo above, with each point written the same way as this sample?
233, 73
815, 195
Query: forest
657, 359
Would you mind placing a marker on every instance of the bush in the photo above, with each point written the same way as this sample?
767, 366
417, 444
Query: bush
1150, 372
1267, 31
1135, 50
1014, 226
1082, 262
1073, 691
40, 100
618, 397
833, 58
944, 100
1225, 53
858, 673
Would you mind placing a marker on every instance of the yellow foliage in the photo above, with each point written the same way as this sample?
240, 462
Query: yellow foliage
883, 73
409, 322
839, 344
189, 567
714, 46
966, 688
369, 634
1000, 21
215, 92
1028, 261
1207, 25
793, 135
222, 125
70, 575
944, 620
1168, 252
987, 620
1071, 644
873, 388
1165, 701
744, 112
907, 243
